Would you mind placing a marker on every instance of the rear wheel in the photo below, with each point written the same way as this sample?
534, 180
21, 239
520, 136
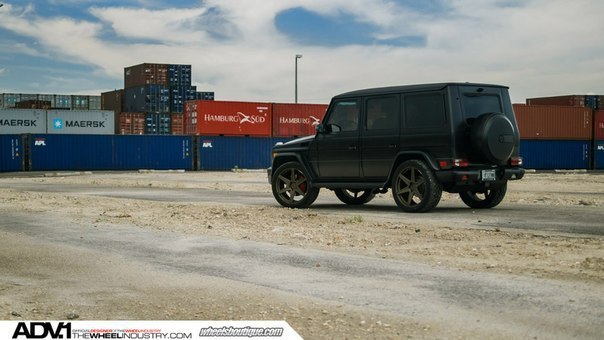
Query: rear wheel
291, 186
485, 199
415, 188
354, 196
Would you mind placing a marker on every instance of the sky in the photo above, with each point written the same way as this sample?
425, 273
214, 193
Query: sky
244, 50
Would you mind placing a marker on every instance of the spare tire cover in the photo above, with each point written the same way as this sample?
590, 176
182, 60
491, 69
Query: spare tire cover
493, 137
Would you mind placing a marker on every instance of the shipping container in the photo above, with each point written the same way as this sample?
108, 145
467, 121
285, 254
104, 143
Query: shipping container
62, 102
225, 153
132, 123
80, 102
179, 95
94, 102
599, 154
109, 152
9, 100
231, 118
70, 152
153, 152
145, 74
599, 125
294, 120
179, 75
568, 100
190, 117
148, 98
203, 95
177, 124
554, 122
34, 104
11, 153
15, 121
157, 124
555, 154
80, 122
113, 101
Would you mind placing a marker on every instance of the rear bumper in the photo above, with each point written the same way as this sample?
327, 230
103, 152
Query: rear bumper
465, 177
269, 173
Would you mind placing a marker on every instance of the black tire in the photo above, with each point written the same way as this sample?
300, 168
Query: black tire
415, 188
354, 196
484, 200
291, 186
493, 138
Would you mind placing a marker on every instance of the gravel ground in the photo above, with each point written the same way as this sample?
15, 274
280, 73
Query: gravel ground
25, 292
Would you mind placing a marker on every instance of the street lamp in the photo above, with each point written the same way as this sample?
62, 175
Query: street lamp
298, 56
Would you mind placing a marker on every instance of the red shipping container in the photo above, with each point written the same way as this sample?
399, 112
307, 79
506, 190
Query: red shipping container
571, 100
225, 118
294, 120
599, 125
125, 125
131, 123
554, 122
177, 127
190, 117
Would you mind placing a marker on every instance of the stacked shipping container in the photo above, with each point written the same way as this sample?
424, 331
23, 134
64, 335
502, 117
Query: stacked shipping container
49, 101
554, 137
598, 145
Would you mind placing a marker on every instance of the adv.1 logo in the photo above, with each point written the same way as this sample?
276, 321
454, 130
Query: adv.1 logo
41, 330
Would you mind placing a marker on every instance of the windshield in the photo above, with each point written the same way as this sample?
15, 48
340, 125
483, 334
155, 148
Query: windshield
477, 104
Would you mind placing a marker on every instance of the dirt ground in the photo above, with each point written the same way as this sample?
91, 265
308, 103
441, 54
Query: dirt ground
497, 250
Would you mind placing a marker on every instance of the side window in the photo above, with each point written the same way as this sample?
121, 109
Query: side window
425, 110
345, 115
382, 113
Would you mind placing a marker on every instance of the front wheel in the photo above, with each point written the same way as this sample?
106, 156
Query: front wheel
485, 199
415, 188
291, 186
354, 196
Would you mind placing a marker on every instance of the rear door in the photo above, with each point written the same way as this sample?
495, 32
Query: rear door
379, 136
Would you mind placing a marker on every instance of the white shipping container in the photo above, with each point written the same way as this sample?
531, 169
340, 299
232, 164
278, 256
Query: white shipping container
15, 121
85, 122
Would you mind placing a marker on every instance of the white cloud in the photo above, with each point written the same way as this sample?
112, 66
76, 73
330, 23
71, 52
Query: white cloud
537, 47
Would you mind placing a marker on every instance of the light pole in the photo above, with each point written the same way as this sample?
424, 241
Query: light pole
298, 56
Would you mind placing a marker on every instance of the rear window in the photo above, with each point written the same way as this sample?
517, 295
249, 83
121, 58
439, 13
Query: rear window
478, 104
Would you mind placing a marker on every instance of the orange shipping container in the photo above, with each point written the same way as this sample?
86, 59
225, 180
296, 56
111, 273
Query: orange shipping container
599, 125
226, 118
177, 124
571, 100
131, 123
554, 122
294, 120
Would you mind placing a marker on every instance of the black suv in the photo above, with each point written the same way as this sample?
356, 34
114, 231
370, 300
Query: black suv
417, 140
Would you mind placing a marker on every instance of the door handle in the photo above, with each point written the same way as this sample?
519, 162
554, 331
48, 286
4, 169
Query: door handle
352, 147
392, 146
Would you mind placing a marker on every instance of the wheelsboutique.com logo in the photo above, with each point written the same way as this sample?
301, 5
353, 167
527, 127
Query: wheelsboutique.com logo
146, 330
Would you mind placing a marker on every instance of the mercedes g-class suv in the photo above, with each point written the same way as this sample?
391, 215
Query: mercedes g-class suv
416, 140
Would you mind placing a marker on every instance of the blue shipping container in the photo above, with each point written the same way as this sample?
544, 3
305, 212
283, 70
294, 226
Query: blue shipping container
109, 152
11, 153
134, 152
148, 98
178, 96
70, 152
226, 153
157, 124
179, 75
599, 155
555, 154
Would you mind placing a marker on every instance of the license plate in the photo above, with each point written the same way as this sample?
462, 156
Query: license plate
488, 175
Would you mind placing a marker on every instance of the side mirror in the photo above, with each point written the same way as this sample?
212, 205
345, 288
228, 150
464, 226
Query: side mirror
320, 128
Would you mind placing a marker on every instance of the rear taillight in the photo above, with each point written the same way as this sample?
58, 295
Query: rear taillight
516, 161
461, 163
